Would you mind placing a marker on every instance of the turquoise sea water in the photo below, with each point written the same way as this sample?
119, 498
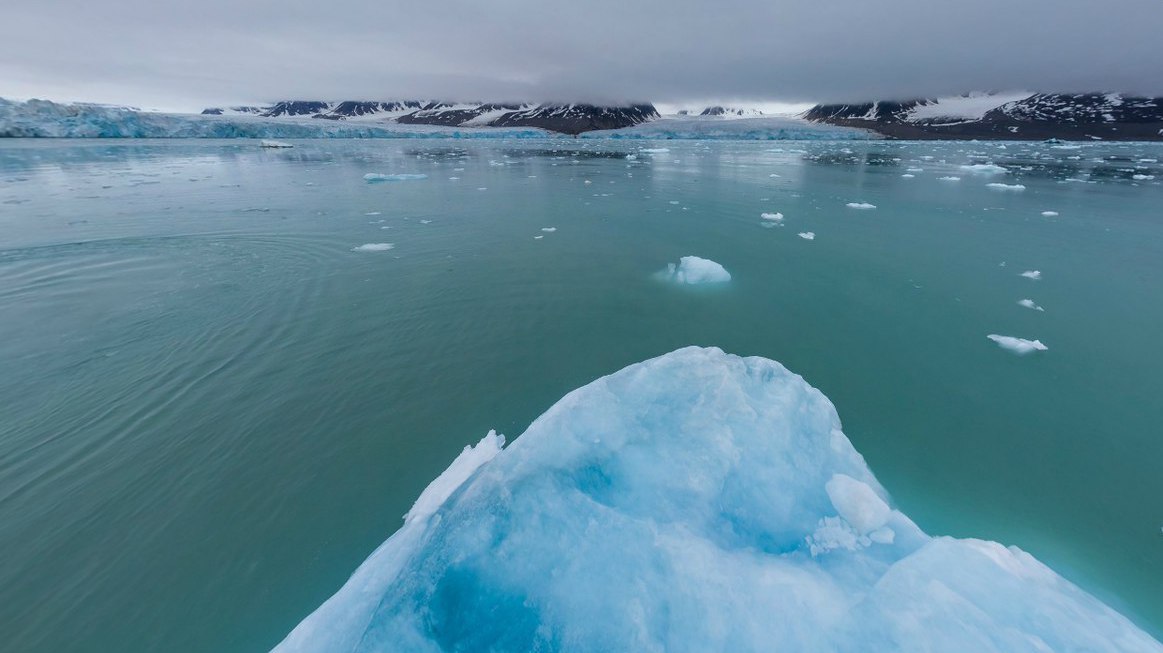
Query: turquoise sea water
212, 409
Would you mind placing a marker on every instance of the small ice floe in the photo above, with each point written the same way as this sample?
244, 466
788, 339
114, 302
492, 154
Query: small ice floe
1049, 214
1032, 274
773, 176
948, 178
1017, 345
374, 177
482, 188
588, 182
372, 213
655, 150
373, 247
914, 169
454, 179
538, 237
1142, 177
549, 230
807, 235
985, 169
274, 144
1010, 187
908, 176
863, 206
425, 222
692, 270
1029, 303
775, 217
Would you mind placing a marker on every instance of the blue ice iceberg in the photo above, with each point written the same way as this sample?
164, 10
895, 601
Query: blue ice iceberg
694, 502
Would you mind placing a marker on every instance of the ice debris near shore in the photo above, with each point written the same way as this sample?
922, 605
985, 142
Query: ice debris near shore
692, 270
694, 502
1017, 345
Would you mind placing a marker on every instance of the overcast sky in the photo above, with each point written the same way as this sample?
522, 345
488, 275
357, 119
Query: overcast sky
188, 54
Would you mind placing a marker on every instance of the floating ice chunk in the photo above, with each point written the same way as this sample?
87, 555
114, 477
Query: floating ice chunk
908, 176
1029, 303
682, 505
372, 213
985, 169
425, 222
538, 237
1019, 346
949, 178
1013, 187
807, 235
914, 169
773, 176
864, 206
274, 144
374, 177
693, 270
1050, 214
373, 247
549, 229
654, 150
772, 216
1032, 274
1142, 177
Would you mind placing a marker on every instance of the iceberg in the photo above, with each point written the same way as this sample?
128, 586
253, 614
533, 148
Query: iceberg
693, 270
694, 502
375, 177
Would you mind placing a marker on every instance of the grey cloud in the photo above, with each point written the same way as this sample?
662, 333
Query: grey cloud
169, 53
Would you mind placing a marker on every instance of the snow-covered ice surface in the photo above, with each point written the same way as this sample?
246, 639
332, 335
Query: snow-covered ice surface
958, 108
697, 501
1017, 345
693, 270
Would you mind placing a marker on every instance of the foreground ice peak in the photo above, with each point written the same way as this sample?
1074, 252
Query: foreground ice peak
694, 502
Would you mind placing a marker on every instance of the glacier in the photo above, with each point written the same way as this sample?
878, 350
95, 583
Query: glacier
698, 501
767, 128
46, 119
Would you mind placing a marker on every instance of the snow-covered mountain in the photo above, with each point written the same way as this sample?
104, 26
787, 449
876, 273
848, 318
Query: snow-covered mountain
563, 118
1033, 116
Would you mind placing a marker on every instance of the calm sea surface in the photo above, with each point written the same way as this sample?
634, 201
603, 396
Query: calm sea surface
212, 409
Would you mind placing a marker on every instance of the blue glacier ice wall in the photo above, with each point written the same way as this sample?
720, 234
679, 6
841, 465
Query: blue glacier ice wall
769, 128
44, 119
694, 502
